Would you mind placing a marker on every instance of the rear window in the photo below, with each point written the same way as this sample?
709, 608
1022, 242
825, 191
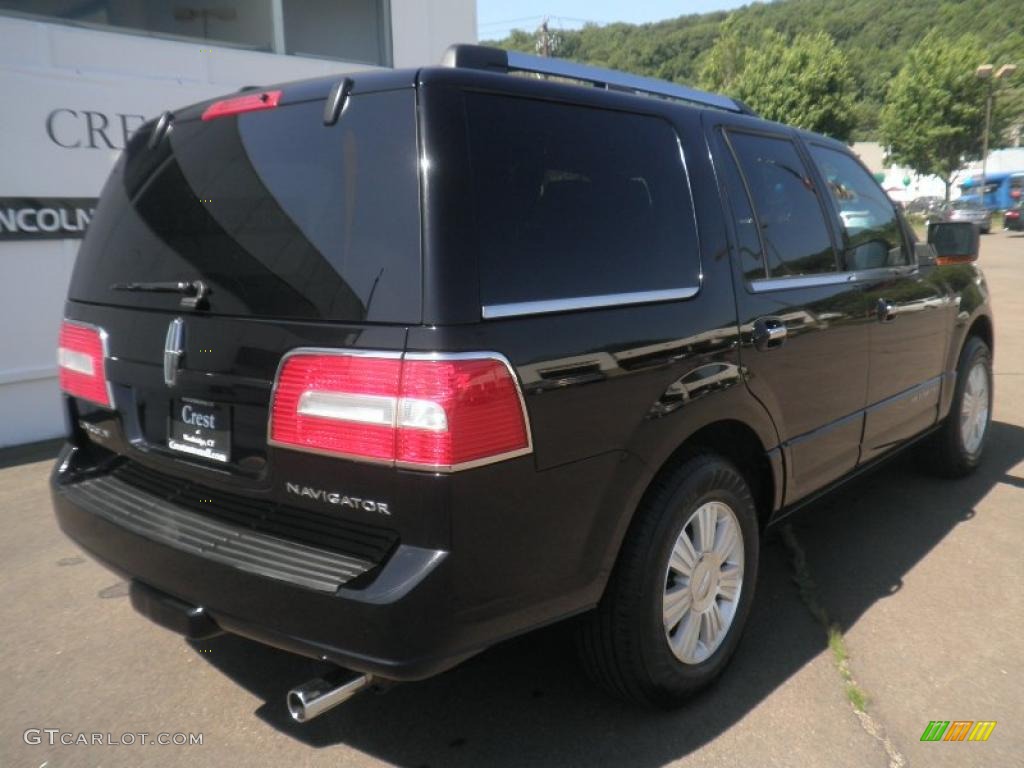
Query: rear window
573, 202
280, 215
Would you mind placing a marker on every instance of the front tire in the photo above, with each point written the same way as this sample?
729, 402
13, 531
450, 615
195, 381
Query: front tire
681, 590
960, 442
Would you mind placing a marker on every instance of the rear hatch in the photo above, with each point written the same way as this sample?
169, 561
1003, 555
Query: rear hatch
300, 234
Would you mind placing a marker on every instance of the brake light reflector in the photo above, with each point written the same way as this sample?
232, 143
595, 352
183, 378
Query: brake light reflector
458, 412
81, 355
251, 102
432, 412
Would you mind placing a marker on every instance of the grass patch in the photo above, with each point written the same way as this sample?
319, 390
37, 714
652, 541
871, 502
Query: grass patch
809, 596
835, 642
856, 697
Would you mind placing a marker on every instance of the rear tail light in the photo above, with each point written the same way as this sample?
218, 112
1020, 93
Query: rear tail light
433, 412
236, 105
81, 358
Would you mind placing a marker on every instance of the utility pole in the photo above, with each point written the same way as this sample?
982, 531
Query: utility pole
545, 40
988, 73
988, 127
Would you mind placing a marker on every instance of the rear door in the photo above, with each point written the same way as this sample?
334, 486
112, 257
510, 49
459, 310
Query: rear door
805, 335
303, 235
911, 310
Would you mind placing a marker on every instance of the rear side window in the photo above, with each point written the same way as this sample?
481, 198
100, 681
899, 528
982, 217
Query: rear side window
577, 203
280, 215
874, 237
788, 213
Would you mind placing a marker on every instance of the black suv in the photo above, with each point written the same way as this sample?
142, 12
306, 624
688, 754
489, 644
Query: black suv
384, 369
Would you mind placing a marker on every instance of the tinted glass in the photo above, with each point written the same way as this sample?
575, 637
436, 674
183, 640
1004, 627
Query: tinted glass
574, 202
873, 234
280, 215
748, 240
793, 230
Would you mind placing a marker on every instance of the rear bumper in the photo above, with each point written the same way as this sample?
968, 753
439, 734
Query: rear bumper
398, 627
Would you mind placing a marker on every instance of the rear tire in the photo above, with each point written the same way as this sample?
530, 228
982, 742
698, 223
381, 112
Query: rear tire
957, 447
681, 590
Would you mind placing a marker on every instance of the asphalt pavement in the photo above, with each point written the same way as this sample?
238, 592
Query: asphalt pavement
924, 578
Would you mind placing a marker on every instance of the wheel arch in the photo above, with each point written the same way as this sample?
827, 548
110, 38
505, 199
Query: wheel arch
743, 441
979, 326
731, 423
982, 328
738, 443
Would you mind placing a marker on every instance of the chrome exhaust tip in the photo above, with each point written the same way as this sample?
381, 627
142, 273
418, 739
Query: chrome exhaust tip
313, 698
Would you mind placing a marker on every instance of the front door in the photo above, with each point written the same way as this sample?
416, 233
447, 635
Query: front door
911, 311
805, 332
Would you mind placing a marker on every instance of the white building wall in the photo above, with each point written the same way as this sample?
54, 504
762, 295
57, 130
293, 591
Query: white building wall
420, 31
57, 82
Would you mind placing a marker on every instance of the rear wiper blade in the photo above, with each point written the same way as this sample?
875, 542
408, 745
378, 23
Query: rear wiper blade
195, 291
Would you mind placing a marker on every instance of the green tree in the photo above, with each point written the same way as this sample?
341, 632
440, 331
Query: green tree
804, 82
934, 111
875, 35
723, 66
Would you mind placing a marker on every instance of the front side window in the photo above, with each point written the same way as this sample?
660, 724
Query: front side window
576, 203
788, 213
873, 236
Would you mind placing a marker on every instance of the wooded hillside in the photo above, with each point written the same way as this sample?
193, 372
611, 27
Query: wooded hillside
874, 35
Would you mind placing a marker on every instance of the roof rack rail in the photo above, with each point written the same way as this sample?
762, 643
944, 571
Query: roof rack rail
495, 59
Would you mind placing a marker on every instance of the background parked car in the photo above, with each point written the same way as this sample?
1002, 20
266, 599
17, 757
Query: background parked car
924, 205
1014, 217
966, 210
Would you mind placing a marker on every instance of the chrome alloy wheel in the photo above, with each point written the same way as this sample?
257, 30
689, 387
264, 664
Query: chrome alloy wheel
974, 406
703, 582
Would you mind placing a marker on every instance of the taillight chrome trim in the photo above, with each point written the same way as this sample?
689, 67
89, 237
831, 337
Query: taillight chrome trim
413, 356
105, 345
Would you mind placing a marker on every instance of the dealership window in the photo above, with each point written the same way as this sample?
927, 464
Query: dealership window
351, 30
337, 29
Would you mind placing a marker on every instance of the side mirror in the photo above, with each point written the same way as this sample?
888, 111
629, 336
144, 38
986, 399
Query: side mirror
955, 242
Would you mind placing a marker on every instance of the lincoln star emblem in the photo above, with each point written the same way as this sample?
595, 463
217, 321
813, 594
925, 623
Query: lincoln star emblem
174, 350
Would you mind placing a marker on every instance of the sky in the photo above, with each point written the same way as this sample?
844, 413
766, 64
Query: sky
496, 18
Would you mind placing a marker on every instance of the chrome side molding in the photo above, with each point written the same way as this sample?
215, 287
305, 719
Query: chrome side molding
548, 306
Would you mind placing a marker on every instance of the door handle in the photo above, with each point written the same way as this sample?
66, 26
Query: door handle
886, 311
769, 332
